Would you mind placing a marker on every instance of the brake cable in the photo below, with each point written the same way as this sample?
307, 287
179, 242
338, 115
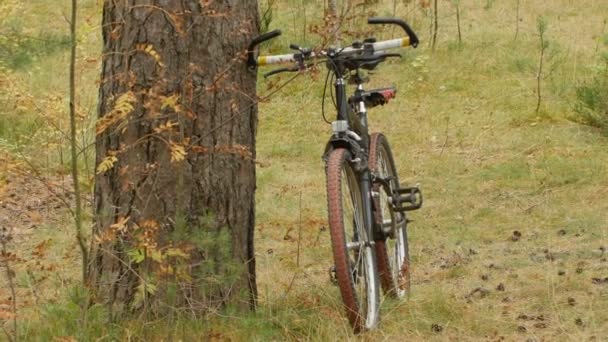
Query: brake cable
323, 98
333, 100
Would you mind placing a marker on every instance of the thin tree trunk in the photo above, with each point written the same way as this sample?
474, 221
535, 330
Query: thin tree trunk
394, 14
304, 26
539, 78
516, 21
73, 146
539, 75
599, 39
332, 11
458, 22
435, 25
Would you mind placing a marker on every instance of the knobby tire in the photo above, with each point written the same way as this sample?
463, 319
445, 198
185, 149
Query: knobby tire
356, 272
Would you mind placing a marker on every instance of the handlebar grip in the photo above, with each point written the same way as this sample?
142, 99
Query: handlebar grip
387, 20
256, 41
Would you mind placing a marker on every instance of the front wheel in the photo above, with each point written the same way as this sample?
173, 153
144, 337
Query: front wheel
354, 254
393, 251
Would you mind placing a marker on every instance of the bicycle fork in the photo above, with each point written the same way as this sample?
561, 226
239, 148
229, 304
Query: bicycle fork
366, 241
365, 184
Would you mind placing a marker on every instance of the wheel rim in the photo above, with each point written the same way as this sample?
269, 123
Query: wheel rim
400, 263
359, 252
394, 224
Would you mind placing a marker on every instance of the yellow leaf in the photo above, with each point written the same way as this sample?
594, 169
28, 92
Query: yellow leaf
123, 106
155, 255
166, 127
149, 49
170, 102
121, 225
176, 252
149, 225
106, 164
178, 152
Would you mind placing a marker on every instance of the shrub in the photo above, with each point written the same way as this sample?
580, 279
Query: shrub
592, 105
592, 97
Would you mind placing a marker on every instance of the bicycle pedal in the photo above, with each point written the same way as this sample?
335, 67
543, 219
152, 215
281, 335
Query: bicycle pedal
332, 275
407, 199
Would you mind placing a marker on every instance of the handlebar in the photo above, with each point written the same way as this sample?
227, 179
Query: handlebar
377, 47
367, 52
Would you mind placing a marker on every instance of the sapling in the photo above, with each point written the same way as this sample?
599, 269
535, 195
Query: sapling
516, 20
435, 25
73, 144
457, 5
541, 26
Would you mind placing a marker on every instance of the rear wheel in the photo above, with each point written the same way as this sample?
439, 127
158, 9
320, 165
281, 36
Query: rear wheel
393, 251
354, 255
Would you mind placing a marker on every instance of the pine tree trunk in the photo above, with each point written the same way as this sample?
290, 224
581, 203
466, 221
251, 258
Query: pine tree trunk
174, 201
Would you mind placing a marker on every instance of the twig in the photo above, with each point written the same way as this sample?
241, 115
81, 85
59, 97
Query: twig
261, 99
542, 27
38, 176
599, 38
299, 232
435, 25
305, 24
293, 279
30, 280
5, 237
458, 22
332, 10
516, 21
445, 142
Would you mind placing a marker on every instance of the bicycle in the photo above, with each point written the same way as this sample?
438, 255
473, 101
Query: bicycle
366, 205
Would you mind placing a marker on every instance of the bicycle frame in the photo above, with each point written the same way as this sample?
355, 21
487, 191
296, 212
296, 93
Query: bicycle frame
359, 124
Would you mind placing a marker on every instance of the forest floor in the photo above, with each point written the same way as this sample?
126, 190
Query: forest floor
33, 211
511, 243
29, 200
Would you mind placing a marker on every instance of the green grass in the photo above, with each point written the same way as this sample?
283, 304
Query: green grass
492, 168
463, 126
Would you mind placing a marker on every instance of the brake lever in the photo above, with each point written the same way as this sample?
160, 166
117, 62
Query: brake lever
384, 55
377, 57
280, 70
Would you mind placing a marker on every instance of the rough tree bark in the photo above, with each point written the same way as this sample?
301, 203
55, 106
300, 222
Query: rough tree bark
174, 201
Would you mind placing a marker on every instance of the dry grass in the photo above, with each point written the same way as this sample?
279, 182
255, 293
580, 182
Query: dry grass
463, 126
